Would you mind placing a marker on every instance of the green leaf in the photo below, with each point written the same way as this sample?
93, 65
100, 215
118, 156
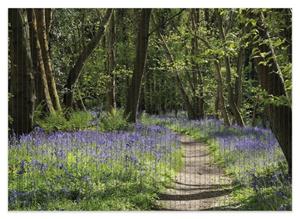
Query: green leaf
71, 159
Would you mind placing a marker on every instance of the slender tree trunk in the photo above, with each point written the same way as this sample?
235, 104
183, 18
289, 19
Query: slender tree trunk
83, 56
134, 89
147, 95
217, 103
163, 98
22, 82
48, 20
197, 74
232, 104
44, 44
270, 78
111, 37
221, 99
238, 81
39, 63
183, 93
34, 58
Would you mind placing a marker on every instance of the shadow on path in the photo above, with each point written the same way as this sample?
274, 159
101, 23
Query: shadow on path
195, 196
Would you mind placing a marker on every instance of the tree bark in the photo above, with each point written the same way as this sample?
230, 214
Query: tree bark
44, 44
75, 71
39, 63
221, 99
138, 72
271, 80
34, 58
238, 81
22, 83
48, 20
111, 37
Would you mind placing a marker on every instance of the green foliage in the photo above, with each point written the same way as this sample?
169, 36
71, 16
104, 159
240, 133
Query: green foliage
112, 121
53, 122
79, 120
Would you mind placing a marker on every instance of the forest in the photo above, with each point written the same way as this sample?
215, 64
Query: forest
150, 109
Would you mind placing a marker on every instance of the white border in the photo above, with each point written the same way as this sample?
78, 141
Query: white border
153, 3
147, 4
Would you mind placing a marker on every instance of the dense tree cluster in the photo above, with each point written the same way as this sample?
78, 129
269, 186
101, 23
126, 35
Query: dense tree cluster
233, 64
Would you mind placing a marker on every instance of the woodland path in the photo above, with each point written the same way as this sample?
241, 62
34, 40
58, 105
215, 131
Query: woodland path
200, 185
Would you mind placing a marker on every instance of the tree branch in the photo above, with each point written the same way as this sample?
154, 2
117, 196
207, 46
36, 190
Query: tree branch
169, 19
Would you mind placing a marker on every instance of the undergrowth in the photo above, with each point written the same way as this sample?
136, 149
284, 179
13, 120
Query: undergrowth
260, 180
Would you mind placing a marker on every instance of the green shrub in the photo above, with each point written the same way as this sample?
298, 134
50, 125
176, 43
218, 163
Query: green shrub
114, 120
79, 120
54, 122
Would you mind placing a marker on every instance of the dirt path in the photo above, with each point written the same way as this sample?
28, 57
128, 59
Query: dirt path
200, 185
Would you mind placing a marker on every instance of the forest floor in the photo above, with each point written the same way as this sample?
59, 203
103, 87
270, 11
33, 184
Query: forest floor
200, 185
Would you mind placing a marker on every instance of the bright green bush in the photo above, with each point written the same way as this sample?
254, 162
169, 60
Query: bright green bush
114, 120
79, 120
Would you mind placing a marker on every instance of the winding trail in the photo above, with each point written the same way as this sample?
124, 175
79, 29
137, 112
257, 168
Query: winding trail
200, 185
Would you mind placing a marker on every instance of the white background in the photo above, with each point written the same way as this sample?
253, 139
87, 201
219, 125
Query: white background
4, 5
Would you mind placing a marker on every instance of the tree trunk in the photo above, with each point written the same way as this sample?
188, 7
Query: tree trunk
270, 78
48, 20
83, 56
238, 81
232, 104
39, 63
217, 103
33, 48
197, 74
111, 36
22, 83
221, 99
44, 44
183, 93
138, 72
